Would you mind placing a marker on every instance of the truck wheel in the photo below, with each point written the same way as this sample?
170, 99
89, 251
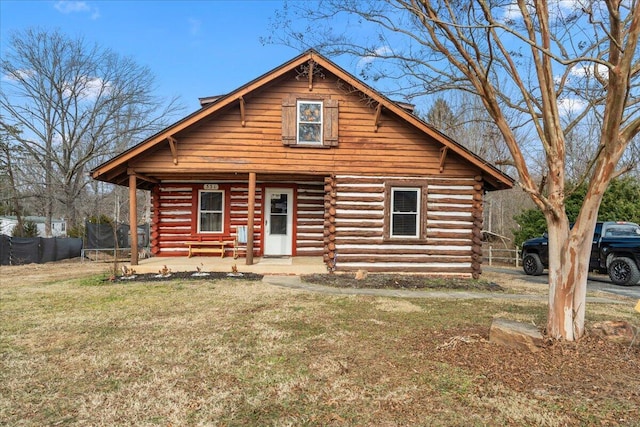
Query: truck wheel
532, 265
624, 271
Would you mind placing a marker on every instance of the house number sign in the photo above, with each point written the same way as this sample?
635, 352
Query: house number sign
211, 186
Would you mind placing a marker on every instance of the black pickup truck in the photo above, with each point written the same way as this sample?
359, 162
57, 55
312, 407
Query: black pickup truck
615, 250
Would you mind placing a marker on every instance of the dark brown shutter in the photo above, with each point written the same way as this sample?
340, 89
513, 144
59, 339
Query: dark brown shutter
331, 122
289, 121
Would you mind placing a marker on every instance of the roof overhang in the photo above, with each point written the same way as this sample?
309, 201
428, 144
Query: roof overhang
117, 170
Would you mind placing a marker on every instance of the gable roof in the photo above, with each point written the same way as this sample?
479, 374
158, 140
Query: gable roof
115, 169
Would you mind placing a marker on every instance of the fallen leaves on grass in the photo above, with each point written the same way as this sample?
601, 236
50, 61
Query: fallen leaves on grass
400, 281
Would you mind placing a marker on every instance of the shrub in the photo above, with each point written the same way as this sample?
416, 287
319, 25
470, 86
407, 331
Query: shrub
26, 229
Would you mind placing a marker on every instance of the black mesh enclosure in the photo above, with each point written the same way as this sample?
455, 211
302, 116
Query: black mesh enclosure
68, 248
143, 235
5, 249
47, 249
123, 236
100, 236
25, 250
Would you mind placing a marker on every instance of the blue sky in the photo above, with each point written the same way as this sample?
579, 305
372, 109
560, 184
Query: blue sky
194, 48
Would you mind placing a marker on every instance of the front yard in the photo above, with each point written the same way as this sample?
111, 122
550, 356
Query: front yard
219, 352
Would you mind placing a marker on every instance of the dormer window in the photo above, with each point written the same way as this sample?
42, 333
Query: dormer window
309, 119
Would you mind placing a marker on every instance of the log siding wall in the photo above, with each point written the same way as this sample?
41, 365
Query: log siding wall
447, 225
310, 225
221, 144
174, 216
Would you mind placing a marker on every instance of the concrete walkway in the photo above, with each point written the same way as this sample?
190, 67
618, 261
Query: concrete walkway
294, 282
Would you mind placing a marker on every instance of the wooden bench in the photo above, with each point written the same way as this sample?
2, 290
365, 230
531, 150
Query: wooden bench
214, 246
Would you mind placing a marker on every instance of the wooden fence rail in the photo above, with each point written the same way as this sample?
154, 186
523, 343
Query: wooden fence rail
500, 255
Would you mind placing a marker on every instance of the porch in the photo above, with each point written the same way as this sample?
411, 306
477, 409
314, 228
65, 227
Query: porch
287, 265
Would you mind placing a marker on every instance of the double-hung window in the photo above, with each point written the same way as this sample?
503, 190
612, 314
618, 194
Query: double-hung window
405, 212
210, 211
309, 120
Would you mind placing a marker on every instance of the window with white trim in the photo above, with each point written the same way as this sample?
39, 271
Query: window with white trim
309, 122
210, 211
405, 212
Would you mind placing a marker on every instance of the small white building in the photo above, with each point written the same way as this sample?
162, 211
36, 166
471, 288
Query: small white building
58, 226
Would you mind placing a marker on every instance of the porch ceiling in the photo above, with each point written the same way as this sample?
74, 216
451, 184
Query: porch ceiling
165, 176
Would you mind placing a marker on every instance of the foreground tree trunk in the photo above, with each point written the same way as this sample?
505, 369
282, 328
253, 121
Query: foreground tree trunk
568, 269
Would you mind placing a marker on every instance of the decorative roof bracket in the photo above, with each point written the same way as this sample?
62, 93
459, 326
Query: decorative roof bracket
131, 171
173, 144
308, 70
376, 119
242, 119
443, 157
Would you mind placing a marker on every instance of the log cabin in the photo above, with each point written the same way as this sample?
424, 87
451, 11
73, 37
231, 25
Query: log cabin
312, 162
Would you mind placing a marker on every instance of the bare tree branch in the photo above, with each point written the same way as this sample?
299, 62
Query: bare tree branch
74, 104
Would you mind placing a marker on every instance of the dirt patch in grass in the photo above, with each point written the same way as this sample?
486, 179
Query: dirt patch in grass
400, 281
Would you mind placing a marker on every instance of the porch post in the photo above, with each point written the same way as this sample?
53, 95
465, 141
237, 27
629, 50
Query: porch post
251, 215
133, 218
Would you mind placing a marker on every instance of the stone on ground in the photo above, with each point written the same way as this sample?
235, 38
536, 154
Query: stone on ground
614, 330
517, 335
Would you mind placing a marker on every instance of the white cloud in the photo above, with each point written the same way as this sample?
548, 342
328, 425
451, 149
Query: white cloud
381, 51
571, 105
89, 88
18, 75
512, 11
69, 6
591, 70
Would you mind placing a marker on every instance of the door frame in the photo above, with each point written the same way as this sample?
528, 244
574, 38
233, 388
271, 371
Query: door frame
294, 214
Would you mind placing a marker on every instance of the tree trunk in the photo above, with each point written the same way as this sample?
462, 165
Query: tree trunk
71, 216
48, 200
568, 270
569, 255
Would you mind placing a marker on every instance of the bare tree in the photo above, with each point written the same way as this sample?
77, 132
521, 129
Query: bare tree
10, 200
74, 103
463, 118
527, 61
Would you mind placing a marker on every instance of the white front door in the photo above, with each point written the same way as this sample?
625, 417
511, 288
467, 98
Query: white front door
278, 221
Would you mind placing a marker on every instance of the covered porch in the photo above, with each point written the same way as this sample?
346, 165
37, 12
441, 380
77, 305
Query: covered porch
285, 212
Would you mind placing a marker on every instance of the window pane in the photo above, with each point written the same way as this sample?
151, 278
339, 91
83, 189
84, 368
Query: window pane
210, 221
405, 208
279, 203
309, 122
309, 132
405, 201
278, 224
211, 201
404, 225
310, 112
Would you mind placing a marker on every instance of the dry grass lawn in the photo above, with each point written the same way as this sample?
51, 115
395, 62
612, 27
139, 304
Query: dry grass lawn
78, 351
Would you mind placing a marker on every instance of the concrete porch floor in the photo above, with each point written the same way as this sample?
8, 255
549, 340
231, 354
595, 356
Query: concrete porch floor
266, 266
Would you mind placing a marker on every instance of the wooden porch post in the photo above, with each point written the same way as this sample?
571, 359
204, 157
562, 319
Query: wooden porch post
133, 218
251, 215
